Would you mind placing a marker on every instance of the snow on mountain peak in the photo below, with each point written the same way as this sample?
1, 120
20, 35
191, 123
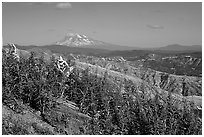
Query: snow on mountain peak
75, 39
70, 34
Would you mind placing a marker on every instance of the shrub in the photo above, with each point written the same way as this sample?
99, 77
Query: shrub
37, 83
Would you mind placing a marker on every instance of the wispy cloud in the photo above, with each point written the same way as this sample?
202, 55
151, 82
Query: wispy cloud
63, 5
155, 26
58, 5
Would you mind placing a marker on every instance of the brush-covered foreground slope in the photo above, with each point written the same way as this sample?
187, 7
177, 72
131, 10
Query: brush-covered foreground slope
114, 76
182, 85
93, 100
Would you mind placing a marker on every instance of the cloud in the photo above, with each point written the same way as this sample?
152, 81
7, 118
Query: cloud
155, 26
58, 5
63, 5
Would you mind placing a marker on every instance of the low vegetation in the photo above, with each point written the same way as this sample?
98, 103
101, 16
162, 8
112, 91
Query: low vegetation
37, 84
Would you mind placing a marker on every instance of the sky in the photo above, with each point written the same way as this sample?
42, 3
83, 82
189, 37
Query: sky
133, 24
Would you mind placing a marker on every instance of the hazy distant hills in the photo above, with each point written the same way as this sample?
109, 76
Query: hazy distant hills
177, 47
79, 40
67, 50
82, 44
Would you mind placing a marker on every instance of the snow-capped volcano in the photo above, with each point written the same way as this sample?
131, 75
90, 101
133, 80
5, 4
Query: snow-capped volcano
77, 40
83, 41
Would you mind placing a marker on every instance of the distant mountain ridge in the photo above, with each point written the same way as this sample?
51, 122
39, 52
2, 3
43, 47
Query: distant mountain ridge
79, 40
177, 47
82, 42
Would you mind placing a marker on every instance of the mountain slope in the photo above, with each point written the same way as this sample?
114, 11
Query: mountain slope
149, 89
182, 85
131, 103
78, 40
177, 47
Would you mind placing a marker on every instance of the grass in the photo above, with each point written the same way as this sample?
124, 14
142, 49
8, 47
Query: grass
37, 83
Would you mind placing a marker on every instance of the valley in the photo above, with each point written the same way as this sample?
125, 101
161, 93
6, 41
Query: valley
136, 75
101, 68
